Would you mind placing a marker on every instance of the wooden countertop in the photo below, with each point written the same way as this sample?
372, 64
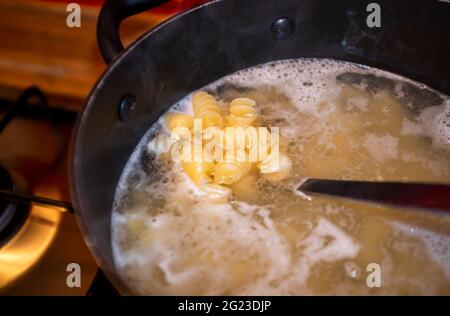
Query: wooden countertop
37, 48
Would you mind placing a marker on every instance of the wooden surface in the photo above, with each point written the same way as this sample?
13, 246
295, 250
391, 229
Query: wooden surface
37, 48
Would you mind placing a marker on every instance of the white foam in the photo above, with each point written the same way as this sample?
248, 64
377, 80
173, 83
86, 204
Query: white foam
318, 247
411, 128
381, 147
438, 245
360, 103
239, 231
436, 124
244, 229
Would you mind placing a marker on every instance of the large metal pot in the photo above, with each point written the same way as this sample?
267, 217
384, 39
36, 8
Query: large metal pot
206, 43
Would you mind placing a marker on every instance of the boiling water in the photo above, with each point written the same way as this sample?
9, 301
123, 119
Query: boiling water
341, 120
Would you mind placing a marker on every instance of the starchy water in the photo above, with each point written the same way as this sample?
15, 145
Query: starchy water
341, 121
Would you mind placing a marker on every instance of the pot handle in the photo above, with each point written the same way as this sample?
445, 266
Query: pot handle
112, 13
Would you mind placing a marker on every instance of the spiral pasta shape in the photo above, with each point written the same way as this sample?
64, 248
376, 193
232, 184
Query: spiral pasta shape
206, 108
230, 172
276, 171
199, 172
174, 120
217, 178
242, 112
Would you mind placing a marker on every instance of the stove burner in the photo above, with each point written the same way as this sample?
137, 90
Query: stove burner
12, 216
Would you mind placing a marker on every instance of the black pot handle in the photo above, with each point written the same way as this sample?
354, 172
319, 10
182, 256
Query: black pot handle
113, 12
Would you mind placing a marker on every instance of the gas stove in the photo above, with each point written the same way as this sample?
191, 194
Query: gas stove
39, 235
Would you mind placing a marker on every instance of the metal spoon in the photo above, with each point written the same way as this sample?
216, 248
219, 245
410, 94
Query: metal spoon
426, 196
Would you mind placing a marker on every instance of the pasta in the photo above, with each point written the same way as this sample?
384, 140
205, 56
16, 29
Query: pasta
174, 120
206, 108
210, 118
214, 174
230, 172
242, 112
273, 171
203, 101
199, 172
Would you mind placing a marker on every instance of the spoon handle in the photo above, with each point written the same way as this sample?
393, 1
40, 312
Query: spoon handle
425, 196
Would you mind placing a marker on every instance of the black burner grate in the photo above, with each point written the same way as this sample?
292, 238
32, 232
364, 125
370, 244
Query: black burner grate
12, 215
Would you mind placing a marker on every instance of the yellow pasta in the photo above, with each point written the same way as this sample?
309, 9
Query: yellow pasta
199, 172
243, 107
273, 170
236, 121
174, 120
206, 108
243, 101
230, 172
242, 112
210, 118
214, 177
204, 101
